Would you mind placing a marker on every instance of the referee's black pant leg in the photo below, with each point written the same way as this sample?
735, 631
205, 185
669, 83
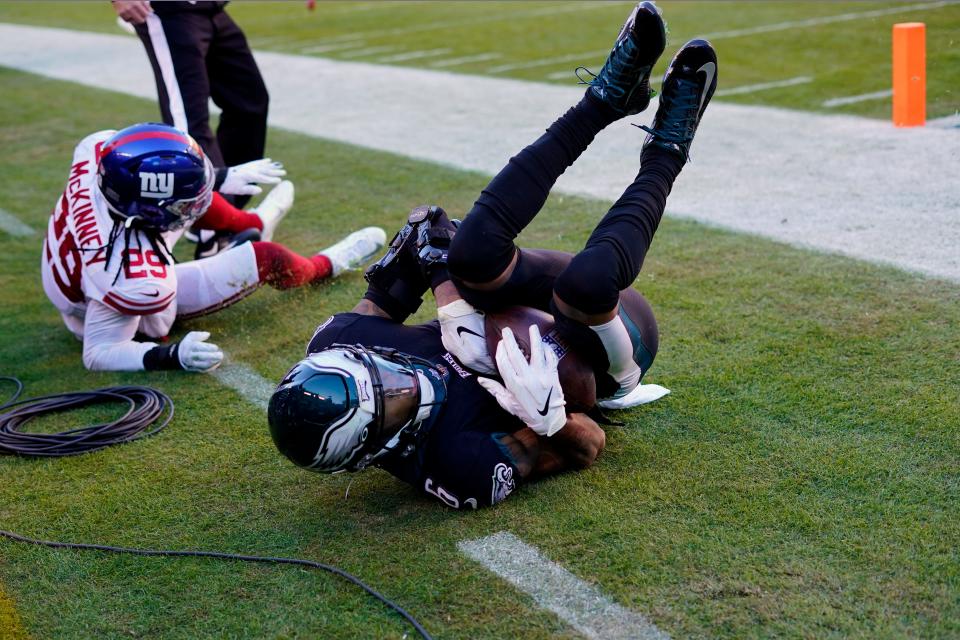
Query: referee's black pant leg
189, 35
237, 87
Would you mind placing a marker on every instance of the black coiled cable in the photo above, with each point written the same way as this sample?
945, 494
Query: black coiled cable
147, 406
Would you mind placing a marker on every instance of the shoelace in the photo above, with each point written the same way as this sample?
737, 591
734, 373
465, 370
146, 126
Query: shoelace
619, 71
680, 114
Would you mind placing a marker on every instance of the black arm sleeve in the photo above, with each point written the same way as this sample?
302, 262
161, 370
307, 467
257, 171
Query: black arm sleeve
162, 358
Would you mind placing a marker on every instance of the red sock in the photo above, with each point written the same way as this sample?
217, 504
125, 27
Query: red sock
223, 216
284, 269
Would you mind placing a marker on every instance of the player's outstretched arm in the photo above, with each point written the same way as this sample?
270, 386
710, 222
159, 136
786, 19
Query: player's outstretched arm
108, 345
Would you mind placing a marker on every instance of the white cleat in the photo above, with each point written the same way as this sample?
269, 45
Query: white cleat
642, 394
355, 249
274, 206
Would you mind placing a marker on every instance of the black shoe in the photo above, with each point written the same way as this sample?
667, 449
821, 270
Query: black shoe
687, 88
624, 81
213, 242
413, 255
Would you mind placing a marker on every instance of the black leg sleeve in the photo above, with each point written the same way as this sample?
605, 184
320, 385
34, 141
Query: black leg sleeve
188, 36
483, 246
613, 255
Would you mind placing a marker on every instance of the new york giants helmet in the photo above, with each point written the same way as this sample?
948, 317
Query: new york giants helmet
342, 408
155, 176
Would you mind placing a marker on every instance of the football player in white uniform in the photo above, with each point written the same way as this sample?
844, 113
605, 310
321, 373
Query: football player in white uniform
107, 264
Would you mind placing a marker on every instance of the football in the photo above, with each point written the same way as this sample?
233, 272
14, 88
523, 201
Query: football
576, 377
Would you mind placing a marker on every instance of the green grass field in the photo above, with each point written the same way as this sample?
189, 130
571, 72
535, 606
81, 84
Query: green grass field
801, 481
845, 58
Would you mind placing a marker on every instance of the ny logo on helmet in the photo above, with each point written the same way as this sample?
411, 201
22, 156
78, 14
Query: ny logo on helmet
156, 185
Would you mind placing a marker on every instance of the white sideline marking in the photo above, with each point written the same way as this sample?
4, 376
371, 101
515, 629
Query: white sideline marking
367, 51
736, 33
763, 86
324, 48
245, 381
544, 62
577, 603
413, 55
12, 225
863, 97
836, 183
452, 24
946, 122
452, 62
813, 22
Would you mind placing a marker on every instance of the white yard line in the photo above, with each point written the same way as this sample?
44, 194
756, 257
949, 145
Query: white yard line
367, 51
763, 86
821, 20
453, 62
584, 58
863, 97
12, 225
325, 48
248, 383
582, 606
836, 183
453, 24
588, 56
413, 55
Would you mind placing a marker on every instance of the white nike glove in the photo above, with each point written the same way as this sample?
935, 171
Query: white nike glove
463, 335
242, 179
196, 354
530, 390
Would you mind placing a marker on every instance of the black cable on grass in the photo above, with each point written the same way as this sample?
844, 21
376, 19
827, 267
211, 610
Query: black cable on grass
231, 556
146, 406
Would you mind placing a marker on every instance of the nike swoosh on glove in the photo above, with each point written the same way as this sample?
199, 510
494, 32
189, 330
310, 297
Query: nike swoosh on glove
242, 180
196, 354
530, 390
463, 335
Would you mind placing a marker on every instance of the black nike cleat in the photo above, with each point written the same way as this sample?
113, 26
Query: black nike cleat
213, 242
687, 87
624, 81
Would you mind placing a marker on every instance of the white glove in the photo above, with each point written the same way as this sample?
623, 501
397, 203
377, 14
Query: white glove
530, 390
463, 335
196, 354
242, 179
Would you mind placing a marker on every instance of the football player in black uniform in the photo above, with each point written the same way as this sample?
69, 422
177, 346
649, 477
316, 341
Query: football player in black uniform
427, 403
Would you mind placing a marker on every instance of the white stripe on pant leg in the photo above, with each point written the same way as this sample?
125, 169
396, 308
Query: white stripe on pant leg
161, 51
577, 603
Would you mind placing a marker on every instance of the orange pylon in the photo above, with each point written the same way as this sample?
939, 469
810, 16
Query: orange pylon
909, 74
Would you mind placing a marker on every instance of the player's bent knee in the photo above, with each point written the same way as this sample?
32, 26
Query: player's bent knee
588, 284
